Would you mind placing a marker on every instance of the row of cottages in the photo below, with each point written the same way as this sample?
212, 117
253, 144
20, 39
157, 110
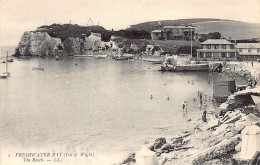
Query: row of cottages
221, 49
182, 32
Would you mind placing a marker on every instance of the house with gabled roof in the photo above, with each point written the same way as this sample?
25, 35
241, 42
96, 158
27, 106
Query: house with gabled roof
217, 49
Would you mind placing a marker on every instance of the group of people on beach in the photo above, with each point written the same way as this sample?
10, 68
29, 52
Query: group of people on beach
200, 98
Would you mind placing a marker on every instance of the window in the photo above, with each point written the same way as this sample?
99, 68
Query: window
240, 50
201, 55
208, 46
249, 50
258, 50
223, 46
216, 47
208, 55
232, 55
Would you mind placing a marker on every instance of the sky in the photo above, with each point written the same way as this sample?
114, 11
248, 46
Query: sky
18, 16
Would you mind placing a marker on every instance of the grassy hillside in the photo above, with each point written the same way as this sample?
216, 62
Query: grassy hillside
150, 26
227, 28
233, 29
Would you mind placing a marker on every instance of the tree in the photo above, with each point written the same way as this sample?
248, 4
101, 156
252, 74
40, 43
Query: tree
214, 35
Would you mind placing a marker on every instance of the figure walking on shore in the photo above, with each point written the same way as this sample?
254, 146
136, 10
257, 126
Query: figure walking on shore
184, 107
205, 106
204, 116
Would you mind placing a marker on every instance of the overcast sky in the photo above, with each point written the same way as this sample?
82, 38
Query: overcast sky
17, 16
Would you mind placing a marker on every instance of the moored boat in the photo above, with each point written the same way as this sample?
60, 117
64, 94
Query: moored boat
6, 74
101, 56
187, 67
183, 64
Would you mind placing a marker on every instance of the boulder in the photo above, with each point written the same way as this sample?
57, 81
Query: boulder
213, 162
223, 148
222, 128
158, 143
129, 160
167, 146
177, 140
233, 119
213, 123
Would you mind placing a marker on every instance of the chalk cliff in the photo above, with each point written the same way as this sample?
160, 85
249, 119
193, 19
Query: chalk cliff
35, 43
39, 44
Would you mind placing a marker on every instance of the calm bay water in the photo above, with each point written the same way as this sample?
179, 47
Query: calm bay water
99, 105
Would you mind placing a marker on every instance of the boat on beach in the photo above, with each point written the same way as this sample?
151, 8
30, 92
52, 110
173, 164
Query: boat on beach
124, 57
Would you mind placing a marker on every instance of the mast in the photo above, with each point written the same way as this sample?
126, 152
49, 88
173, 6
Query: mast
191, 42
6, 66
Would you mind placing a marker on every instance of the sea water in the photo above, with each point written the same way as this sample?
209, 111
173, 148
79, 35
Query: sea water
98, 106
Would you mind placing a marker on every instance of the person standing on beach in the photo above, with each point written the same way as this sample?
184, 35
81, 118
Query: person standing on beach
252, 63
184, 107
204, 116
205, 106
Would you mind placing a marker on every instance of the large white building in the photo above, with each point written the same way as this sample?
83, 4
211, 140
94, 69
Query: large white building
217, 49
248, 51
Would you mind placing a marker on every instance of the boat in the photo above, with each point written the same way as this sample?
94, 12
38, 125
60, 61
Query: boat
183, 63
121, 58
89, 55
6, 74
187, 67
101, 56
124, 57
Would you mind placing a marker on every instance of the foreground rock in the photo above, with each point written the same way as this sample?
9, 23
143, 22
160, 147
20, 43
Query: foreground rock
216, 151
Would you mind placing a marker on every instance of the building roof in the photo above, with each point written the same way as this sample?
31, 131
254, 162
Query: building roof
156, 31
247, 45
216, 41
216, 50
249, 53
178, 27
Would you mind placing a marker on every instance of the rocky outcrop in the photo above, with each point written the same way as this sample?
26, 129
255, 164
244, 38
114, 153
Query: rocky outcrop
39, 44
224, 147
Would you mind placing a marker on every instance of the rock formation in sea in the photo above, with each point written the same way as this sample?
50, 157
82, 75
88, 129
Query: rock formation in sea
62, 40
